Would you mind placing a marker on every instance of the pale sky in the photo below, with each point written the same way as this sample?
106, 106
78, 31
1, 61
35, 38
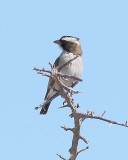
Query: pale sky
27, 31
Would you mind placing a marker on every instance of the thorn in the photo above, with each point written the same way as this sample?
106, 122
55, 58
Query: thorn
61, 157
64, 106
87, 147
50, 65
71, 115
64, 102
103, 114
110, 125
36, 108
78, 105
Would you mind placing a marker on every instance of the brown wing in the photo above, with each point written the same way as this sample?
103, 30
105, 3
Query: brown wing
51, 81
50, 84
56, 63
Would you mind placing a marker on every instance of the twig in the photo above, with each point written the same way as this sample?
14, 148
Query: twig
68, 76
51, 65
103, 114
67, 128
64, 106
83, 139
61, 157
68, 89
43, 72
59, 69
102, 119
81, 150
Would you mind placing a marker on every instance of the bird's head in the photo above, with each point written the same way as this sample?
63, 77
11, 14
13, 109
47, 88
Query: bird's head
70, 44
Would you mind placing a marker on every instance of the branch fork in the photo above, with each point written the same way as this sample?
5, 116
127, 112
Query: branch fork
78, 117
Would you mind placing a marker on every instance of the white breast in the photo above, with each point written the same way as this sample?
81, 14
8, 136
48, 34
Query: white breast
74, 68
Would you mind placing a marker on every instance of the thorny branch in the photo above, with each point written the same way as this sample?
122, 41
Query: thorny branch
42, 71
77, 116
85, 115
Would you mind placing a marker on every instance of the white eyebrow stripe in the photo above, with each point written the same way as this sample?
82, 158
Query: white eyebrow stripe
71, 39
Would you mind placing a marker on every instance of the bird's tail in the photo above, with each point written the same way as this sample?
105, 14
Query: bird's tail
45, 107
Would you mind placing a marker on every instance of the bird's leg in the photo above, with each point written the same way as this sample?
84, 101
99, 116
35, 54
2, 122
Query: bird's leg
64, 102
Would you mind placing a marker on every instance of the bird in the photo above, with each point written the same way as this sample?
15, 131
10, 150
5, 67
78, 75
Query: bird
72, 53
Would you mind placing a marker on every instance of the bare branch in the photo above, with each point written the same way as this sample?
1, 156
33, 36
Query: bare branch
81, 150
44, 74
61, 157
64, 106
68, 89
41, 70
67, 128
68, 76
102, 119
51, 65
83, 139
78, 117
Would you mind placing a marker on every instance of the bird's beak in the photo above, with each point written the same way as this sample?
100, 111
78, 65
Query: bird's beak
57, 41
